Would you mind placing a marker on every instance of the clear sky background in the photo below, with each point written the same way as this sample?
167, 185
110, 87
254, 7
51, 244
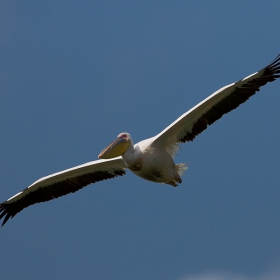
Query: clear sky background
74, 74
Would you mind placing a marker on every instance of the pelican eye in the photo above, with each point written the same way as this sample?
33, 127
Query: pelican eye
124, 136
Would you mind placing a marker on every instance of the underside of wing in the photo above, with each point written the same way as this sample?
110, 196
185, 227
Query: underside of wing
226, 99
62, 183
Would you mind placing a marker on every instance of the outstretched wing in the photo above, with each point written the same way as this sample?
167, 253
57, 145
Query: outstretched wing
226, 99
62, 183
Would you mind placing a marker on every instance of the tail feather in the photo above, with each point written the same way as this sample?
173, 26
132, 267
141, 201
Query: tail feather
181, 168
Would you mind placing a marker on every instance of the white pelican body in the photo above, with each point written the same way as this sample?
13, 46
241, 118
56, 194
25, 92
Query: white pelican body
150, 159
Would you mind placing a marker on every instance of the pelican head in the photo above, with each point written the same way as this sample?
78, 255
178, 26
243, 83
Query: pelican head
118, 147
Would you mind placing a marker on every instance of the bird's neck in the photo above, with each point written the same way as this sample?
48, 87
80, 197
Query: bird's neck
131, 155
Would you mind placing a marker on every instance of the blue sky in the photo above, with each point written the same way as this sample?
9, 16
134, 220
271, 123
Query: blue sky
74, 74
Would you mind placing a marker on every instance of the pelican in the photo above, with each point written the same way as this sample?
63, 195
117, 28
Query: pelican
150, 159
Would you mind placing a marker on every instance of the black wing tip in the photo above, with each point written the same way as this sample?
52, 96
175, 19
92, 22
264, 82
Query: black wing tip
274, 67
275, 60
4, 213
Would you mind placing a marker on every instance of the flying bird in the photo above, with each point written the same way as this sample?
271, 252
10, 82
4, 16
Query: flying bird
150, 159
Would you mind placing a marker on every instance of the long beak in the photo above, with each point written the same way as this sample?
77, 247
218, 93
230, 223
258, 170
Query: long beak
115, 149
